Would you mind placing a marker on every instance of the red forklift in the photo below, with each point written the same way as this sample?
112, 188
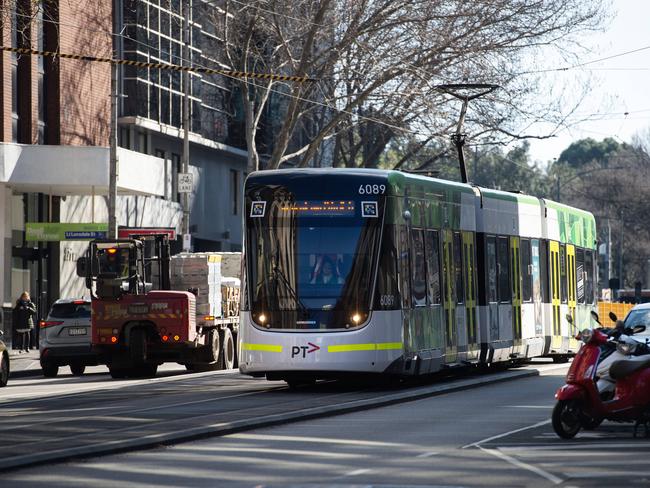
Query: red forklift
135, 327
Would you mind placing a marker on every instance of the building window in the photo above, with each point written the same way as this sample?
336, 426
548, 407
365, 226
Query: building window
234, 190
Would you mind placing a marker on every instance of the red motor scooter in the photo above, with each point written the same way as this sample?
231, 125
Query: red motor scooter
579, 404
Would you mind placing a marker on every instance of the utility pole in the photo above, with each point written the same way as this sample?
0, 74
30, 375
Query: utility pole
185, 161
112, 165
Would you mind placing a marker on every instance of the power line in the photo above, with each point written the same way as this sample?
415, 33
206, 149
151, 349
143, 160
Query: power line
586, 63
166, 66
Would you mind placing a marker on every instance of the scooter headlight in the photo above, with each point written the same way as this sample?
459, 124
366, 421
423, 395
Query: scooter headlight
586, 335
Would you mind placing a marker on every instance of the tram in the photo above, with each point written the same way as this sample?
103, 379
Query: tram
349, 271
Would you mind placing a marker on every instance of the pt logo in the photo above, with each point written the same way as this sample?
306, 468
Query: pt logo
303, 350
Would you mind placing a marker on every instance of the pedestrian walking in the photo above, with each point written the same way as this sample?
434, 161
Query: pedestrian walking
24, 312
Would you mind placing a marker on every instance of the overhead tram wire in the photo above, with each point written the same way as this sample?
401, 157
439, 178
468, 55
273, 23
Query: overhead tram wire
244, 80
247, 81
166, 66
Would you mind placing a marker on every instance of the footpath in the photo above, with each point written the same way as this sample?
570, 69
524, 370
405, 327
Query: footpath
24, 364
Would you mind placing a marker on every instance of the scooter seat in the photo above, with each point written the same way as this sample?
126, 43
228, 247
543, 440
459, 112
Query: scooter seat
625, 367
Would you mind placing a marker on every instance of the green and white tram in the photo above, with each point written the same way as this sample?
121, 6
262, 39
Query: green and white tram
371, 271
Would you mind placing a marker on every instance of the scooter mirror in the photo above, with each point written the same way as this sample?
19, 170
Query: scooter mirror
569, 318
594, 316
613, 317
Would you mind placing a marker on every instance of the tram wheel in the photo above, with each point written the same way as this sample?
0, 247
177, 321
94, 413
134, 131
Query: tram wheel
566, 419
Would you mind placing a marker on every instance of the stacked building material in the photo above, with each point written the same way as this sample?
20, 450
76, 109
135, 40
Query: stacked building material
200, 272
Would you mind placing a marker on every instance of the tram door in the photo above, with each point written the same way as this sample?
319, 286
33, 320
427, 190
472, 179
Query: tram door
572, 292
515, 279
554, 252
470, 291
449, 282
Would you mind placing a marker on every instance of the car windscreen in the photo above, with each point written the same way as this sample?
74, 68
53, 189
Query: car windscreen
70, 310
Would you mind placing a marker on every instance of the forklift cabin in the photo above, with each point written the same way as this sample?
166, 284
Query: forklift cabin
125, 266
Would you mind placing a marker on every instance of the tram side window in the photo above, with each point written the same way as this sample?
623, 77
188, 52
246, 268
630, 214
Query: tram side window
580, 274
526, 271
543, 269
418, 274
589, 275
404, 268
563, 274
432, 246
503, 270
387, 295
491, 252
458, 268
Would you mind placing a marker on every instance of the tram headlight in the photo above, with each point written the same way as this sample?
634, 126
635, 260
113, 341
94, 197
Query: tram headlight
261, 318
356, 318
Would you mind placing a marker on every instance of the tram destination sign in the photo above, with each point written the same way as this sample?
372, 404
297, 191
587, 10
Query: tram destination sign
321, 208
61, 231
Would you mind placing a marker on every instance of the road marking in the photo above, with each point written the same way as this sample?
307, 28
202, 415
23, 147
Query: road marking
325, 440
427, 454
515, 462
544, 407
505, 434
357, 472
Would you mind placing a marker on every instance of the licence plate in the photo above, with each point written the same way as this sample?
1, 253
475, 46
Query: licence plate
77, 331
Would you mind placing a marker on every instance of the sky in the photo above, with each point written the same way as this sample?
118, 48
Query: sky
620, 84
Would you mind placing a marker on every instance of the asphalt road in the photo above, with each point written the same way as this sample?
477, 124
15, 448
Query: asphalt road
497, 435
68, 417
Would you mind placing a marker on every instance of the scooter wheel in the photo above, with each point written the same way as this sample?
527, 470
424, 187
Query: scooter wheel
566, 419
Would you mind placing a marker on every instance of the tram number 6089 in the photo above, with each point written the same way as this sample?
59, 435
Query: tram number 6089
372, 189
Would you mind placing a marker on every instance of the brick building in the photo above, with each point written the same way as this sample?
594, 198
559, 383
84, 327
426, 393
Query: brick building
54, 146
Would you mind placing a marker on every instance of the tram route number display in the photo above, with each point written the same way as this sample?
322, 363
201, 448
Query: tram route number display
372, 189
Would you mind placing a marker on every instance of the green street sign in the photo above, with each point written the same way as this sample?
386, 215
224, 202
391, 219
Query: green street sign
60, 231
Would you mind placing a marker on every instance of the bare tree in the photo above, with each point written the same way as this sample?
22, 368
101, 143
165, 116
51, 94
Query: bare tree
377, 65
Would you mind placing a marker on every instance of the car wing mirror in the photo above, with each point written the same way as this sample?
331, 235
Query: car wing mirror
638, 329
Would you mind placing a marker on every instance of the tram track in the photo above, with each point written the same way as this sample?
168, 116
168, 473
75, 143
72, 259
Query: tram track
206, 415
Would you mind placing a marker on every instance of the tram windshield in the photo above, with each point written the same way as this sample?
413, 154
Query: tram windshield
311, 263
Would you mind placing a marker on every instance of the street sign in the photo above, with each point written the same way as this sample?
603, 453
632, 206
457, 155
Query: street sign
62, 231
185, 182
127, 232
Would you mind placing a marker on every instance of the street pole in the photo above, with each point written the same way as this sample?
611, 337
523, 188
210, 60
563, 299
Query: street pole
112, 164
186, 122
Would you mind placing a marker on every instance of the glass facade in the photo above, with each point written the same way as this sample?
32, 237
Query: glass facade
153, 31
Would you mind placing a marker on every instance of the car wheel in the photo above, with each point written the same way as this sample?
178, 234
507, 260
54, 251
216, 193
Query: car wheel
4, 369
77, 369
50, 370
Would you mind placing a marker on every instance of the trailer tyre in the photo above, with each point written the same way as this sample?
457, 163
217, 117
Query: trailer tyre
228, 350
212, 348
118, 373
138, 345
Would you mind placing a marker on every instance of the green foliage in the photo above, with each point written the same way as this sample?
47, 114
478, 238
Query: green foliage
585, 151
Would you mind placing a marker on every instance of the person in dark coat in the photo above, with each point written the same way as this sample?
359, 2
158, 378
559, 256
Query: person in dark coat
24, 312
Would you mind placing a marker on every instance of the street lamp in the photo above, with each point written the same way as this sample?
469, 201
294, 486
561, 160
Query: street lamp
460, 91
